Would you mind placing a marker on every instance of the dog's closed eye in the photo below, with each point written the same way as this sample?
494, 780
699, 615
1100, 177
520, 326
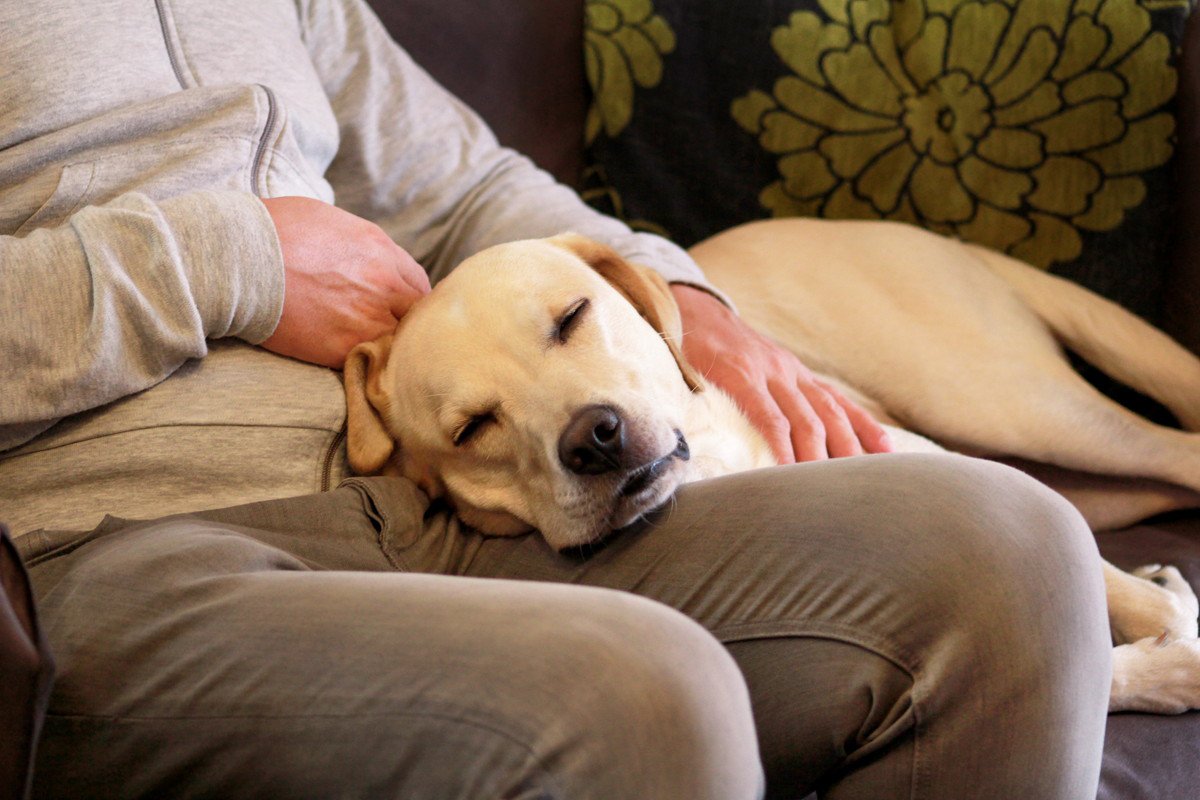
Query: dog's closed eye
472, 427
570, 319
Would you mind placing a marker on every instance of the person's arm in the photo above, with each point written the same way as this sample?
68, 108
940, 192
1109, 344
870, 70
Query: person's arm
119, 296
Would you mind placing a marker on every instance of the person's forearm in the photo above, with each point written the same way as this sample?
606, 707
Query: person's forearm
122, 294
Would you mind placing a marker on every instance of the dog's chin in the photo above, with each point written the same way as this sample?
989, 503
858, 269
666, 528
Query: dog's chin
619, 503
625, 511
641, 493
646, 491
636, 497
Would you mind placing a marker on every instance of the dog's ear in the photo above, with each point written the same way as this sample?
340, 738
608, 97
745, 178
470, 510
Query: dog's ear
368, 444
644, 288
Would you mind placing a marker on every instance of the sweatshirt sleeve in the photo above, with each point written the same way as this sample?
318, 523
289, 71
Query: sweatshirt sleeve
421, 164
120, 295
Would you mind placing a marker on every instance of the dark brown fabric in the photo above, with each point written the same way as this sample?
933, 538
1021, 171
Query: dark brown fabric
1149, 757
1181, 311
520, 65
26, 671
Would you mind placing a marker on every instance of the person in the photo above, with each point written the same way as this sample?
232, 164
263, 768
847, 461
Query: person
204, 206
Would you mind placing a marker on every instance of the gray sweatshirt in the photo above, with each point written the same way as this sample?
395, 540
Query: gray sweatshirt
138, 267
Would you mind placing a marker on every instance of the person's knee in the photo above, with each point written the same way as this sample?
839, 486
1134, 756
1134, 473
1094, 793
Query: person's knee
1003, 533
656, 707
1009, 609
980, 586
1018, 623
934, 546
1000, 550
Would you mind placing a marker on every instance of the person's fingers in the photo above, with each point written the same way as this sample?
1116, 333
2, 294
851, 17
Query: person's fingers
401, 280
840, 437
411, 272
806, 430
399, 303
765, 414
801, 416
345, 280
870, 433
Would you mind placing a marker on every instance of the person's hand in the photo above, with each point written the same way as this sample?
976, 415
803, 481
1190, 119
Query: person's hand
345, 281
802, 417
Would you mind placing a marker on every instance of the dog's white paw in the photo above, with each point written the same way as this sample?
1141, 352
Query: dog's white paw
1156, 600
1156, 675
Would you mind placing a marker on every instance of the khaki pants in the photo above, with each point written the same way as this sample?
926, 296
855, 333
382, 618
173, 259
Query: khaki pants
877, 627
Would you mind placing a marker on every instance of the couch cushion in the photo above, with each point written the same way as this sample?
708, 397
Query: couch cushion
1042, 128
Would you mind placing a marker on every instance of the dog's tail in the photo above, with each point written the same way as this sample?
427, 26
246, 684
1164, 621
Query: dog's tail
1107, 336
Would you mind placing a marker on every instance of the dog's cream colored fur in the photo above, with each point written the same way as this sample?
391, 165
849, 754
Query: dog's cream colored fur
955, 342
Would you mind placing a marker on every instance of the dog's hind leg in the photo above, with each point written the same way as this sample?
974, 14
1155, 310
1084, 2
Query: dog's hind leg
1109, 502
1107, 336
1070, 424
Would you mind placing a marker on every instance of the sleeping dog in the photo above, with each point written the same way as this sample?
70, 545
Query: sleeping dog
541, 386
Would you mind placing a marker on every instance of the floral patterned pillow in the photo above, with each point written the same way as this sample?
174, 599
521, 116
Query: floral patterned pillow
1042, 128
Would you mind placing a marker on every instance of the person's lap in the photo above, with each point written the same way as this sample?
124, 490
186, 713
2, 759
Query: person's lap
886, 614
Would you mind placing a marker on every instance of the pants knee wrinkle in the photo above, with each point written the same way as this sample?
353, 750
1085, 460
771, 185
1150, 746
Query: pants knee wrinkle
879, 645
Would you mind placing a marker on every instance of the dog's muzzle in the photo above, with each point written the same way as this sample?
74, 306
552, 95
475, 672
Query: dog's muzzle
594, 442
645, 475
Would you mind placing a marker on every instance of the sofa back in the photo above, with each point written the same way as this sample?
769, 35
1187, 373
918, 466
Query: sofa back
516, 62
520, 63
1181, 305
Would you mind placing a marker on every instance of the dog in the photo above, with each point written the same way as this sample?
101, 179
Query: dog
542, 386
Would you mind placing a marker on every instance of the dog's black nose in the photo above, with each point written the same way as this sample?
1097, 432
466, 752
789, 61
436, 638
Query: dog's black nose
593, 441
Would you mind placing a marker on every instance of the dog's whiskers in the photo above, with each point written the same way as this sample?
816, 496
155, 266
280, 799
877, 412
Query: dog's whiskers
670, 508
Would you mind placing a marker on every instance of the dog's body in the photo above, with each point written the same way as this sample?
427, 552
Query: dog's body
542, 386
964, 345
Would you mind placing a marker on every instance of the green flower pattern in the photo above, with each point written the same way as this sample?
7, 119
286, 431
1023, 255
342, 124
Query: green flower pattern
1010, 123
623, 46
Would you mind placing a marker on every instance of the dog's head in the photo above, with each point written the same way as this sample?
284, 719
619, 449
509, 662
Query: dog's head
540, 385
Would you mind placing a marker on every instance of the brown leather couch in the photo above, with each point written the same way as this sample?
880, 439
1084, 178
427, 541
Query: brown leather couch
519, 63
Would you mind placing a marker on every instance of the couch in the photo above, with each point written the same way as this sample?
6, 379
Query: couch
659, 148
525, 66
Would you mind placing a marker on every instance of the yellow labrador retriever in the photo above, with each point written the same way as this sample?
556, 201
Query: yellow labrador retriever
541, 386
